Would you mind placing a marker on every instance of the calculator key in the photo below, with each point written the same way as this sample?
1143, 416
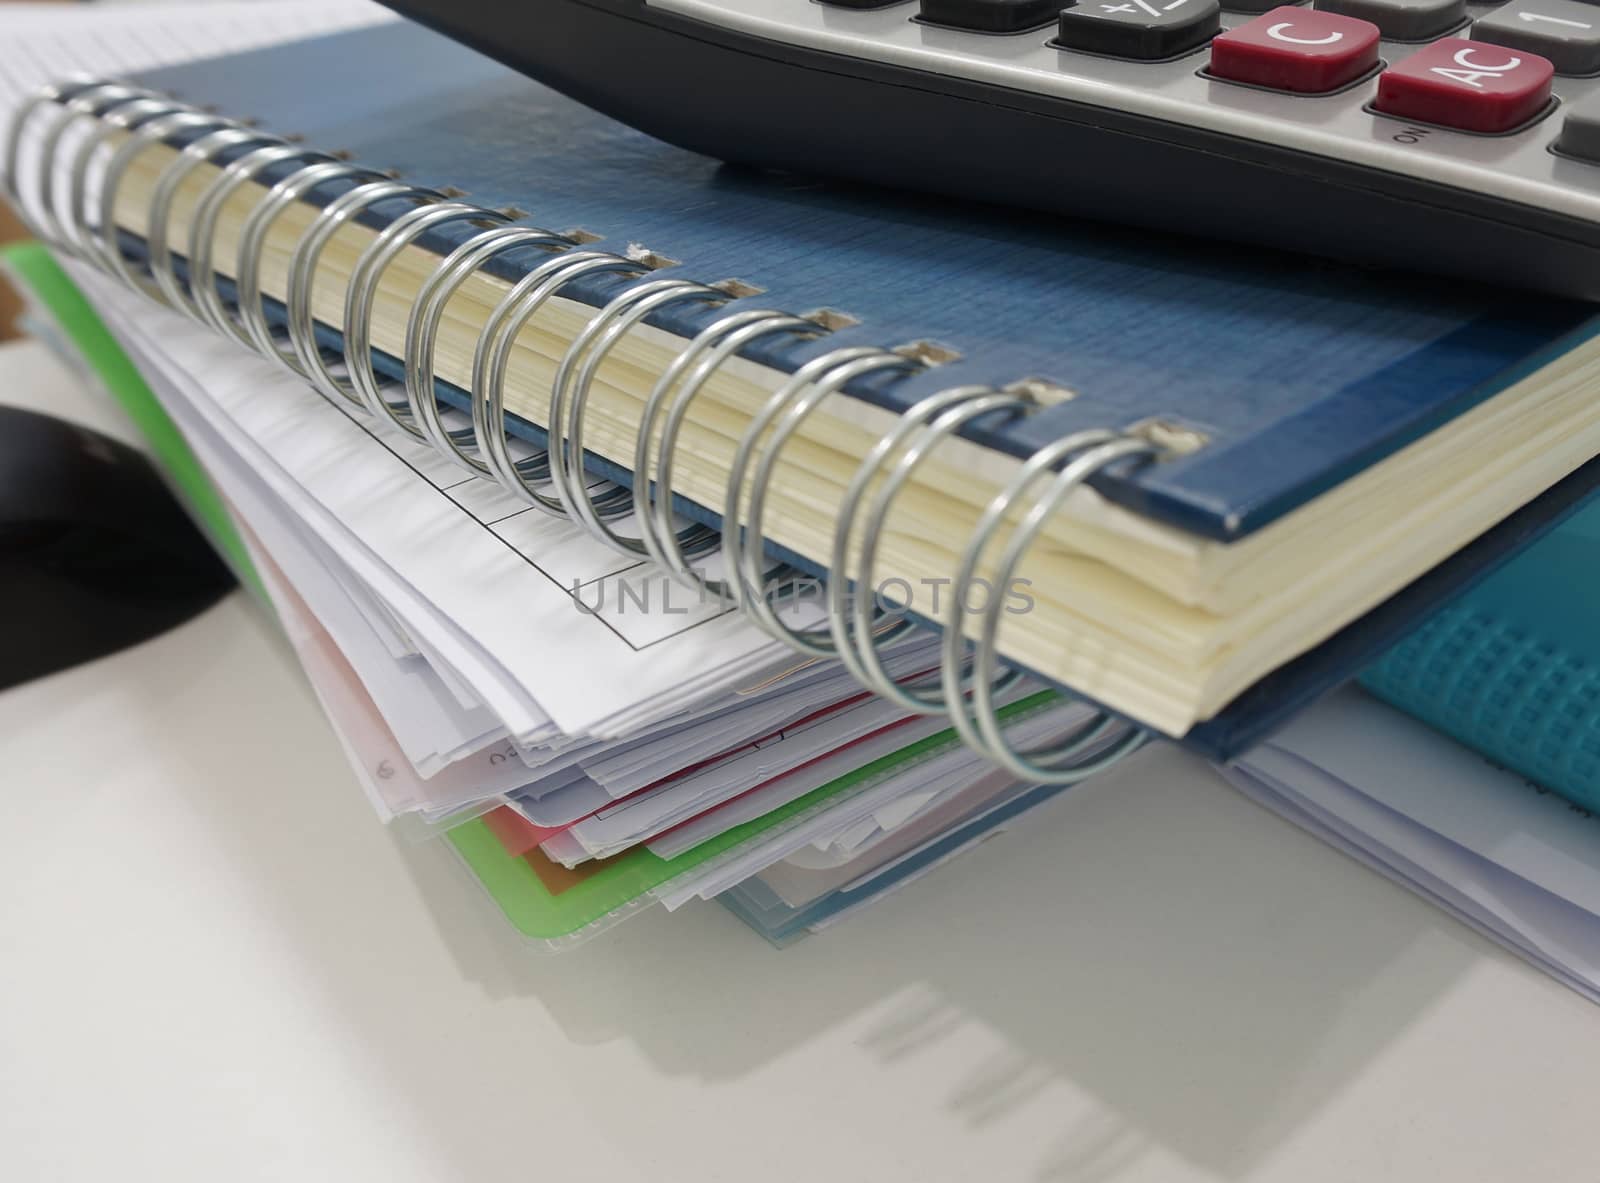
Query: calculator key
1566, 32
991, 16
1580, 131
1468, 85
1144, 29
1249, 6
1296, 49
1402, 20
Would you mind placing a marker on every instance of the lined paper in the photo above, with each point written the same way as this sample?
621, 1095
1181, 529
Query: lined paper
47, 42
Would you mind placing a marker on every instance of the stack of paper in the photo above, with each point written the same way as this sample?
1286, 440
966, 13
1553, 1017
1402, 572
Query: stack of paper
454, 642
593, 736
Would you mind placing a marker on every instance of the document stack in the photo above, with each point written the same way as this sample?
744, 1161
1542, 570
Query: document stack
660, 531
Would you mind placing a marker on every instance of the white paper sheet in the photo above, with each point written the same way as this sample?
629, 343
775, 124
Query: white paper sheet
45, 43
1504, 856
641, 817
1454, 792
778, 792
331, 644
489, 610
718, 874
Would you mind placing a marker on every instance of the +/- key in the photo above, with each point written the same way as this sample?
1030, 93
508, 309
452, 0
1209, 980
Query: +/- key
1146, 30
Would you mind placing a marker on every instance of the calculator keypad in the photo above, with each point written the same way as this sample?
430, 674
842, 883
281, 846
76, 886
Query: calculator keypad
1471, 128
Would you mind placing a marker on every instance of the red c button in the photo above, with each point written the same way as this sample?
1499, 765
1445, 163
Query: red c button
1296, 49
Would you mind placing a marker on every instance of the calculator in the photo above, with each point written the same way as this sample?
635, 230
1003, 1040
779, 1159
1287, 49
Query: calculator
1450, 136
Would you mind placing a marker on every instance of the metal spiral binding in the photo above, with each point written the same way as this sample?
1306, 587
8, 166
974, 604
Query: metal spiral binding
138, 141
158, 251
743, 541
302, 275
492, 358
362, 292
54, 95
971, 674
251, 300
851, 618
1085, 453
124, 117
569, 396
677, 387
89, 100
422, 333
203, 228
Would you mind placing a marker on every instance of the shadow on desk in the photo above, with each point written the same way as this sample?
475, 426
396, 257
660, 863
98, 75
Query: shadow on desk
1151, 968
1209, 989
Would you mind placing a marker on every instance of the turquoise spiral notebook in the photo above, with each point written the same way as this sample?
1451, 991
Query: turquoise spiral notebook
1318, 455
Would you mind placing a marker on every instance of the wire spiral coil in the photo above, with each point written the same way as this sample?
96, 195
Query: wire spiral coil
972, 677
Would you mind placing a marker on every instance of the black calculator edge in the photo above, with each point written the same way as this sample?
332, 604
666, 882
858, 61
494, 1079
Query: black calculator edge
759, 102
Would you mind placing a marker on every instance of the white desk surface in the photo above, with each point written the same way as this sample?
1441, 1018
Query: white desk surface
216, 965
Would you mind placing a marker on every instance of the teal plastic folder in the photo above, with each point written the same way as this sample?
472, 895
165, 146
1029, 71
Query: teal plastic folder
1512, 668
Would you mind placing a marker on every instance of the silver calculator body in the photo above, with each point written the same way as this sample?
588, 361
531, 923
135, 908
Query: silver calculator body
1184, 115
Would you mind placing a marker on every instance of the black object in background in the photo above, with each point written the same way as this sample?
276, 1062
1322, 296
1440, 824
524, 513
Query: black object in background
95, 553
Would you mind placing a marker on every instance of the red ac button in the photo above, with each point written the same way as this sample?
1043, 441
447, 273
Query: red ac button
1467, 84
1296, 49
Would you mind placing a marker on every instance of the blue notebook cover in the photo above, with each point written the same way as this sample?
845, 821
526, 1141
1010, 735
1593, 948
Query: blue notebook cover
1512, 668
1300, 373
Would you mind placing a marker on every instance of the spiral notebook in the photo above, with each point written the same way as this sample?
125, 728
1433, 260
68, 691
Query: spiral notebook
1250, 473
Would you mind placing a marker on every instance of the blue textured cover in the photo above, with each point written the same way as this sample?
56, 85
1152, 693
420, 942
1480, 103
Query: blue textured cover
1513, 667
1300, 373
